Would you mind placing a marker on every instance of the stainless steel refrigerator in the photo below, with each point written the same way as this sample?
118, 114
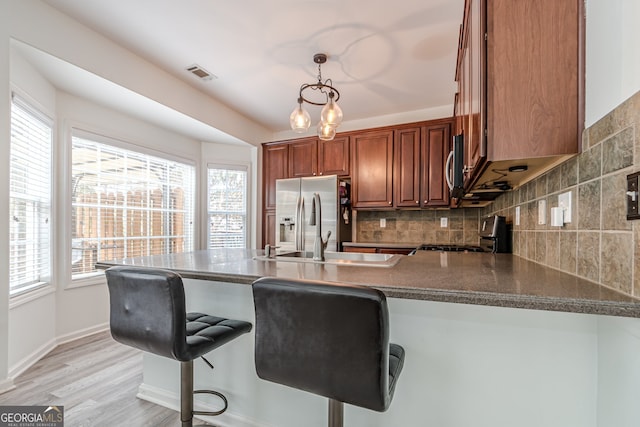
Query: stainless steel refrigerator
294, 199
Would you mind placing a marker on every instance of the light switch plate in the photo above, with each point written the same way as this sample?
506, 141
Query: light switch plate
517, 215
564, 202
383, 222
632, 196
444, 222
542, 212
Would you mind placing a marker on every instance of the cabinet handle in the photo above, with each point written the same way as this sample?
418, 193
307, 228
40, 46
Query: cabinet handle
320, 173
390, 203
314, 174
425, 202
417, 202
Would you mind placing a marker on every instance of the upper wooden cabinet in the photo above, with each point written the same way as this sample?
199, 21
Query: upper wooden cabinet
312, 156
420, 155
275, 160
520, 76
533, 78
406, 168
435, 147
303, 158
372, 169
333, 156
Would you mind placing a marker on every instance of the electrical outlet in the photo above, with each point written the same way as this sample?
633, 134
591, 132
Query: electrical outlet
383, 222
517, 215
444, 222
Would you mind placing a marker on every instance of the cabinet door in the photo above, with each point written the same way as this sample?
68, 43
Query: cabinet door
435, 147
476, 149
303, 158
269, 231
275, 163
333, 156
406, 179
534, 83
372, 169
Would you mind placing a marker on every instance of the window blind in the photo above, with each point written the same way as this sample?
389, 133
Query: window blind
127, 204
227, 207
30, 198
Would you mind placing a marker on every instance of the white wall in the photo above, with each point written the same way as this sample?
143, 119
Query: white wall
612, 55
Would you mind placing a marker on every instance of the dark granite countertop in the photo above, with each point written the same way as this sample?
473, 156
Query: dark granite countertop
501, 280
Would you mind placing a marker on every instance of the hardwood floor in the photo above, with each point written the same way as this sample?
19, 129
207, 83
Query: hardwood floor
96, 380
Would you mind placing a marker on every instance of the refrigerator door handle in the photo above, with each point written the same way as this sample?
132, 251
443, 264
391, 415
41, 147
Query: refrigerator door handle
297, 229
301, 230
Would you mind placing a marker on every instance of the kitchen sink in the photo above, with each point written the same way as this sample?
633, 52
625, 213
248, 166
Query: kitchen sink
357, 259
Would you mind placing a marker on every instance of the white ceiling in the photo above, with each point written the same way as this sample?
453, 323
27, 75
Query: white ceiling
384, 57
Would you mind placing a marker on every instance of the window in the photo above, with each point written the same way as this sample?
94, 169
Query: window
126, 204
227, 207
30, 198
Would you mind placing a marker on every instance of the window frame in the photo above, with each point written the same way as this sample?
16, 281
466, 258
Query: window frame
241, 166
100, 137
39, 112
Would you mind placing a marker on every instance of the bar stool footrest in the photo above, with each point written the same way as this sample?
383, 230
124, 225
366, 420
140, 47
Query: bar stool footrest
215, 393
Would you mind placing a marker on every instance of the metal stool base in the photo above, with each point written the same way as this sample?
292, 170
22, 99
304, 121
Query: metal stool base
187, 393
336, 413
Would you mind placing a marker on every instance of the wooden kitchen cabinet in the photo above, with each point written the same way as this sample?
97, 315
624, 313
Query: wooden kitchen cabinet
406, 168
269, 231
333, 156
520, 74
419, 165
435, 147
372, 169
303, 158
313, 156
275, 160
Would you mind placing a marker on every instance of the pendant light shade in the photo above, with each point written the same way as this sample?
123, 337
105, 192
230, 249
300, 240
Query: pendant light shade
326, 132
331, 114
300, 120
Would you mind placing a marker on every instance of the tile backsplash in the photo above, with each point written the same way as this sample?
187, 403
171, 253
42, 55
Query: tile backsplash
599, 244
418, 226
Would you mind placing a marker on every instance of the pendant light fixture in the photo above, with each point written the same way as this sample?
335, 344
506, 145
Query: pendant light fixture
331, 114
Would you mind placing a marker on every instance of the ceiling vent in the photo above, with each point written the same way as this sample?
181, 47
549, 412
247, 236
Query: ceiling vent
200, 72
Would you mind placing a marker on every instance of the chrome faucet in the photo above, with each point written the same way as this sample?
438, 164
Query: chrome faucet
319, 244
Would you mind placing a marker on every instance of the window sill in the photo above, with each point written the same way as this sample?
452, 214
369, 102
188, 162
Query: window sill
28, 296
90, 279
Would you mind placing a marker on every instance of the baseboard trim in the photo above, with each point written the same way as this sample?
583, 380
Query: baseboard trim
172, 401
6, 385
44, 349
31, 359
72, 336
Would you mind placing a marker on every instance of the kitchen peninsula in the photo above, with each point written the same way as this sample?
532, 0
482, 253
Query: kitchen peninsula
491, 339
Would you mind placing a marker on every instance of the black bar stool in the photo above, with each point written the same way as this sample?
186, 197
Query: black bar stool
327, 339
148, 312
